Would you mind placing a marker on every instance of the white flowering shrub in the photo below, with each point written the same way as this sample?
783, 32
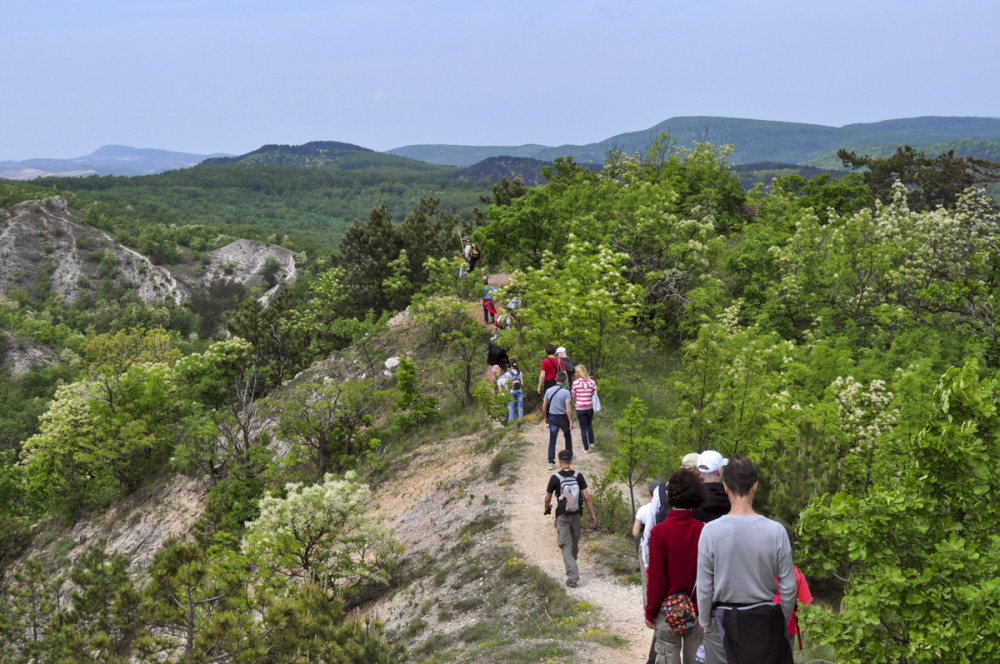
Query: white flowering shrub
322, 532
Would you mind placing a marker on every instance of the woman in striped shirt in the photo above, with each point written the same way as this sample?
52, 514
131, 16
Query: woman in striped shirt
584, 390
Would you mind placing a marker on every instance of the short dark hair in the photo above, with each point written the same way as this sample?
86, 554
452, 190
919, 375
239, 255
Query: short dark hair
550, 349
561, 376
565, 455
740, 475
686, 490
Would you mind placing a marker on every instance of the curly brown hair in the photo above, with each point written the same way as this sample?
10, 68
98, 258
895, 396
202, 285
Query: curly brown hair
685, 490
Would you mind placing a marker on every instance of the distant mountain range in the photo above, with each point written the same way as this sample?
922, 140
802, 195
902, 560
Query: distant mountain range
108, 160
753, 140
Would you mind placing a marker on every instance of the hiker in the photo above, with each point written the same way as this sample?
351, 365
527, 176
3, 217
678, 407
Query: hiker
496, 354
802, 595
584, 391
489, 309
515, 380
471, 254
673, 565
710, 465
658, 509
744, 560
550, 366
566, 364
557, 414
572, 486
498, 379
644, 522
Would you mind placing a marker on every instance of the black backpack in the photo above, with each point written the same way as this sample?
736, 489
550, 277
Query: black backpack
516, 381
662, 508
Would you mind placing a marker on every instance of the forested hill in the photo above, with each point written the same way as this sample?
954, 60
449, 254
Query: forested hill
313, 191
753, 140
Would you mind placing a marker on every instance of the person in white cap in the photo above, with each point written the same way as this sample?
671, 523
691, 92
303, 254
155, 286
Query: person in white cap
567, 365
710, 465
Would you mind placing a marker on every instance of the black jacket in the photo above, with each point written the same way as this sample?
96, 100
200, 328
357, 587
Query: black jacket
716, 505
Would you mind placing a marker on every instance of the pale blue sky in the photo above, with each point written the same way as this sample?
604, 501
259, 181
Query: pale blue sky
231, 75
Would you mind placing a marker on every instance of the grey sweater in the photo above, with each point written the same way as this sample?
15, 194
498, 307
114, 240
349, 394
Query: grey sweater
739, 558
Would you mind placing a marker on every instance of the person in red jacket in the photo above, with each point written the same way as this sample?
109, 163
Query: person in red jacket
673, 566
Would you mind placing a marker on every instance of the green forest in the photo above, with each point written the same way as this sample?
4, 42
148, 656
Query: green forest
839, 331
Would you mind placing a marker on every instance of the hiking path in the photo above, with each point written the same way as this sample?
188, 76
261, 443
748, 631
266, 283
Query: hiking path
534, 535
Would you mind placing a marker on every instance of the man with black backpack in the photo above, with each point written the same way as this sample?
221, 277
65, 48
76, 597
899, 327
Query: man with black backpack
572, 493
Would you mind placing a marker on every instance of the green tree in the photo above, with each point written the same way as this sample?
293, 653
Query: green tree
919, 540
639, 446
322, 533
583, 299
930, 181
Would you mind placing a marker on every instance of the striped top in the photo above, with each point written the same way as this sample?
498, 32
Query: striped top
583, 393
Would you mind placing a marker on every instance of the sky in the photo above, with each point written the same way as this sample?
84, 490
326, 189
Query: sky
227, 76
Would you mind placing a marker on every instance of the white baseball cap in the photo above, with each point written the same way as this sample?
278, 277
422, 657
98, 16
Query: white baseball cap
710, 461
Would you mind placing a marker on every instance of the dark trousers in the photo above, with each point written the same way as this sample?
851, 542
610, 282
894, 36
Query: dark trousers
557, 423
586, 420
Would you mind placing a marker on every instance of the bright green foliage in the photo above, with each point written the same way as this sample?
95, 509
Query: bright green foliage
322, 533
583, 300
325, 420
448, 326
918, 552
639, 446
413, 405
66, 465
491, 401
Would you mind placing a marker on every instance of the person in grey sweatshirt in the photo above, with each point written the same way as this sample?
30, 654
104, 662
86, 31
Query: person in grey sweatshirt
744, 560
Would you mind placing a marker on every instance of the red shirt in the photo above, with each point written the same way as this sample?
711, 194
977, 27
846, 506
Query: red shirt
673, 559
550, 365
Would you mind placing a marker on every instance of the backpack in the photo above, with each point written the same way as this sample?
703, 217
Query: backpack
662, 508
569, 493
474, 252
515, 381
569, 366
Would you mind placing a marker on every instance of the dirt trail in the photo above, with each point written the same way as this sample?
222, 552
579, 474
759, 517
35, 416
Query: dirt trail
534, 535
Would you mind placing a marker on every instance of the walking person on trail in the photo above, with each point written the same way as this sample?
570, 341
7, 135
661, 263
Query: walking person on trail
557, 414
583, 390
489, 308
673, 566
571, 487
744, 560
710, 464
566, 364
550, 367
471, 254
515, 380
644, 521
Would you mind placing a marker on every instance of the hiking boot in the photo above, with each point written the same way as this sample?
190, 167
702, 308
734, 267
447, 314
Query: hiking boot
571, 583
587, 450
551, 465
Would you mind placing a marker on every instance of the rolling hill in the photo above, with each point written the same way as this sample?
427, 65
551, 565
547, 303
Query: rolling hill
753, 140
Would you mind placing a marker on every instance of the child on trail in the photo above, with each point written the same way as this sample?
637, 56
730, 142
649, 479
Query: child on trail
515, 381
489, 308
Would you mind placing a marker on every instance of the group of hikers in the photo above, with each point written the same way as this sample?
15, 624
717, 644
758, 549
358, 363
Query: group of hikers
718, 579
719, 583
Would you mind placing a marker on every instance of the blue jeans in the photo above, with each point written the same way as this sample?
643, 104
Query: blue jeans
557, 422
515, 409
586, 420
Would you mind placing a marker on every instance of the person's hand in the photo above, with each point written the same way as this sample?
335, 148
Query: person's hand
571, 425
593, 519
649, 624
539, 390
548, 510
